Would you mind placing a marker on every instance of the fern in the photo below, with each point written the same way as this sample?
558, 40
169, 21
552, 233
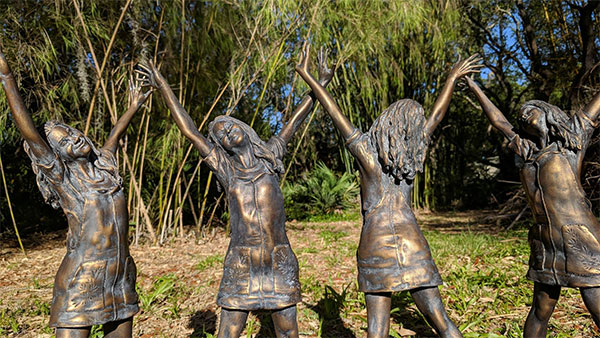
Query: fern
321, 191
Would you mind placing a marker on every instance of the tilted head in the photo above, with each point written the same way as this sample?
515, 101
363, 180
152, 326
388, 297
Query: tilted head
230, 133
399, 137
544, 120
68, 143
236, 136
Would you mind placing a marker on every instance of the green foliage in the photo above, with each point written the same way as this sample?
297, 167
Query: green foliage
209, 262
161, 289
238, 58
320, 192
330, 237
96, 332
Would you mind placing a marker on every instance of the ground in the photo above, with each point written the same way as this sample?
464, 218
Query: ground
483, 267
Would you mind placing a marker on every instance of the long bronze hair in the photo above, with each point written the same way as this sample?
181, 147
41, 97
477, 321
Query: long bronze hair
560, 126
258, 146
45, 185
399, 137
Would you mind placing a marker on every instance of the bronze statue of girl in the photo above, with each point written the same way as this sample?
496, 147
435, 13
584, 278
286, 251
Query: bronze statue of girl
95, 283
260, 269
564, 237
393, 255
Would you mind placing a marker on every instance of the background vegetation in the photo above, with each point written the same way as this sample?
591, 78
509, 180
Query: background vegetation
72, 58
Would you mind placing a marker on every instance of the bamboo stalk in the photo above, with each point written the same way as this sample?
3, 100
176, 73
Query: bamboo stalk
106, 56
269, 75
143, 208
312, 115
204, 198
12, 215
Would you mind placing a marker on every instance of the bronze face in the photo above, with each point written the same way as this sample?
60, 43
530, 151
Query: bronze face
69, 143
230, 135
533, 122
95, 283
393, 254
260, 269
564, 245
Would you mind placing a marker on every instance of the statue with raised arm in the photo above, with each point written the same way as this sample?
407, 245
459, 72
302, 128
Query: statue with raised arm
260, 269
564, 237
393, 255
95, 283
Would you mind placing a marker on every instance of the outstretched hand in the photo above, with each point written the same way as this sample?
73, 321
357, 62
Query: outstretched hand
304, 66
325, 73
136, 95
147, 74
465, 67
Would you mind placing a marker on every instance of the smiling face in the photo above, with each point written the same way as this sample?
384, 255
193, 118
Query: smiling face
533, 121
230, 135
68, 142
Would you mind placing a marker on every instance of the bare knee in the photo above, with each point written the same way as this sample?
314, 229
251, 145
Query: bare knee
542, 312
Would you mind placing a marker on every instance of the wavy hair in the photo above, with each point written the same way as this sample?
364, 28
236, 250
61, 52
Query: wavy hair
399, 137
560, 126
46, 187
258, 146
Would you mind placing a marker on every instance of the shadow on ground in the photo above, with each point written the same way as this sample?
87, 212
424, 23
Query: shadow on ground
405, 314
204, 323
329, 309
476, 221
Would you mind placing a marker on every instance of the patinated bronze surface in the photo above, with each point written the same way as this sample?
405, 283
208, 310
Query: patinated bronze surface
564, 237
260, 269
393, 255
95, 283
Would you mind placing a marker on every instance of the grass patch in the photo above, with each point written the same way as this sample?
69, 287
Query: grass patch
209, 262
485, 291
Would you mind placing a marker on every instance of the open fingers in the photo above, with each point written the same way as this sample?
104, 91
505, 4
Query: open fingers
304, 58
146, 66
306, 49
143, 71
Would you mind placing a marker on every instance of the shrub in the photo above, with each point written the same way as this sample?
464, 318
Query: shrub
319, 192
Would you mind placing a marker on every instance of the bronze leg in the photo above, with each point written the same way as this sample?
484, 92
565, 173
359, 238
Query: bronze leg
429, 302
378, 314
286, 324
591, 299
70, 332
544, 299
122, 328
232, 323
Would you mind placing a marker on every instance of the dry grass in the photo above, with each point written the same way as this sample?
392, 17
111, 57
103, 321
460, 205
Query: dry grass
483, 268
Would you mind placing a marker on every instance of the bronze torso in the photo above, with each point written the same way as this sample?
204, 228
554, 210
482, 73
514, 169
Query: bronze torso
393, 254
260, 269
564, 239
95, 283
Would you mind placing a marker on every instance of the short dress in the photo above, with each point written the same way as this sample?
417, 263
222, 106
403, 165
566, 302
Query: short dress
564, 244
393, 254
260, 269
95, 283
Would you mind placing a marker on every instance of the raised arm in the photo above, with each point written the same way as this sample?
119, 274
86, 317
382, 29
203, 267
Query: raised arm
22, 118
307, 103
591, 110
137, 99
155, 79
494, 114
460, 69
339, 119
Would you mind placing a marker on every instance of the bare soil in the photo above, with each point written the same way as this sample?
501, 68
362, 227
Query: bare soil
331, 305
